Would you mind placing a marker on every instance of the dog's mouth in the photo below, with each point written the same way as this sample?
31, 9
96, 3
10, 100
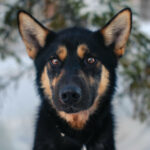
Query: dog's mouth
71, 109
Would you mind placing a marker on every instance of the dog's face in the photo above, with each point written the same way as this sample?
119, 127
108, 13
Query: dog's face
75, 66
74, 71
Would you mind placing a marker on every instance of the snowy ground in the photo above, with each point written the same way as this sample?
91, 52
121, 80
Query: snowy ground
18, 112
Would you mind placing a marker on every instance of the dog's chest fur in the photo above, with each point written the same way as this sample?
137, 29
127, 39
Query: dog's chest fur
76, 79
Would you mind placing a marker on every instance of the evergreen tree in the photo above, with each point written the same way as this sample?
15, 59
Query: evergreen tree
57, 14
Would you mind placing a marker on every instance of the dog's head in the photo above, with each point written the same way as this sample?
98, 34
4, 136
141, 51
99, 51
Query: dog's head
75, 66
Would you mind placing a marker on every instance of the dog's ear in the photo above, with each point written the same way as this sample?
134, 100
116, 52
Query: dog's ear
32, 32
117, 31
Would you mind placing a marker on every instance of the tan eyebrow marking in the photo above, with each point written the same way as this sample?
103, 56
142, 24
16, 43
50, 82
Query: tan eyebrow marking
81, 50
62, 52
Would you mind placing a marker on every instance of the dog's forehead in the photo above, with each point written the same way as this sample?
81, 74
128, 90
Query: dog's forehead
79, 50
73, 37
73, 42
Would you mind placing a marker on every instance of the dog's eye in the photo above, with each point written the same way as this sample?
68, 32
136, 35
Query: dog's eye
91, 60
55, 61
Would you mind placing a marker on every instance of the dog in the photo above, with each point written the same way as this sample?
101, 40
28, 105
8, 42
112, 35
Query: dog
76, 80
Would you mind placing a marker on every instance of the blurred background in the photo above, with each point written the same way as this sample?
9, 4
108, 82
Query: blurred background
19, 100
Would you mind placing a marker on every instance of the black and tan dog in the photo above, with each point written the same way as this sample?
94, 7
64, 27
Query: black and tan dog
76, 79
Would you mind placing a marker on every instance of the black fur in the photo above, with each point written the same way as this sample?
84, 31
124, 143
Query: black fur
98, 133
52, 131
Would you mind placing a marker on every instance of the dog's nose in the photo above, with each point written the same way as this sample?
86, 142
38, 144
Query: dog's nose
70, 94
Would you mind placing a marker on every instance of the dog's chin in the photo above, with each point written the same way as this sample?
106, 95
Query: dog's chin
70, 110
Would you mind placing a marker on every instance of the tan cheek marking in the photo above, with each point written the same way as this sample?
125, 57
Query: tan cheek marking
46, 83
56, 79
78, 120
81, 50
83, 76
48, 66
62, 52
104, 81
98, 65
92, 81
54, 82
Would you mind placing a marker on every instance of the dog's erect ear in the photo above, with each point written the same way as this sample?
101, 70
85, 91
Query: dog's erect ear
118, 30
32, 32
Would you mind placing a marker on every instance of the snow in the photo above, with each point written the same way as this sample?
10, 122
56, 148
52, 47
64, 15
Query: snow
145, 27
19, 105
132, 135
18, 109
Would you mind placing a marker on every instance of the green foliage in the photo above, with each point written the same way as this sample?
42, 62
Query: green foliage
136, 63
111, 9
9, 27
68, 14
136, 66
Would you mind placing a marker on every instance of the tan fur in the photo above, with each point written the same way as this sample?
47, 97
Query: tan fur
120, 51
104, 82
122, 20
98, 65
78, 120
62, 52
46, 83
26, 26
81, 50
54, 82
92, 81
56, 79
